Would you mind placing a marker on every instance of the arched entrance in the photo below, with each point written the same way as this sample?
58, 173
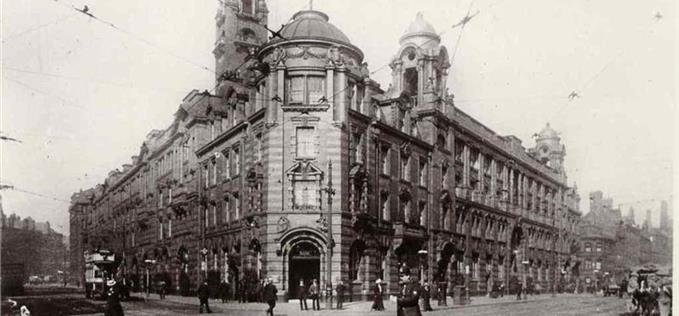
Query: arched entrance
305, 264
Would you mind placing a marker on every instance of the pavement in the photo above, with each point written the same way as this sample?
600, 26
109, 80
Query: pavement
563, 304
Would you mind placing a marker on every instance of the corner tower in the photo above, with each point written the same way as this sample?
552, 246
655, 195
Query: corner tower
549, 150
240, 30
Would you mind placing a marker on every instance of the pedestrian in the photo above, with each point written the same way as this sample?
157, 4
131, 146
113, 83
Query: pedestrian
340, 294
502, 289
223, 290
301, 294
407, 302
426, 295
313, 293
270, 296
519, 288
162, 288
203, 296
378, 290
113, 307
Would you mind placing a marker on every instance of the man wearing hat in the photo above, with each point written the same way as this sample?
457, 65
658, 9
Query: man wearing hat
409, 296
113, 307
203, 296
270, 292
426, 303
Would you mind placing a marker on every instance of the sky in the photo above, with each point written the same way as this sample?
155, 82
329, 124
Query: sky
81, 95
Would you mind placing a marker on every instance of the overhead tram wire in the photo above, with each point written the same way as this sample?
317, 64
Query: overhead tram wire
134, 36
29, 87
90, 80
37, 27
585, 85
54, 198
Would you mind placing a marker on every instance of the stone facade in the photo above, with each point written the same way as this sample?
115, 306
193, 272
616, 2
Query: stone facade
301, 166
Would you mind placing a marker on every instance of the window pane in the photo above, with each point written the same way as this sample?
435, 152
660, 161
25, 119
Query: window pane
297, 89
305, 142
316, 89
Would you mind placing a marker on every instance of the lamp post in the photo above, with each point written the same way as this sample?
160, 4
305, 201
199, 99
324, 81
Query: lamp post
423, 257
149, 263
331, 243
203, 264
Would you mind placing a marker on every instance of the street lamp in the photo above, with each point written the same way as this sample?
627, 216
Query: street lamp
203, 264
331, 243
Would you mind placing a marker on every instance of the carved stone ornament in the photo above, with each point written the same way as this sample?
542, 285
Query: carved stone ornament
322, 223
283, 224
334, 56
278, 55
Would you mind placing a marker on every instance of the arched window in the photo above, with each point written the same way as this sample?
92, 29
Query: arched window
588, 247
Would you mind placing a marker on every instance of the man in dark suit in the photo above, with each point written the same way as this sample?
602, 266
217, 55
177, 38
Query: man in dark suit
340, 294
409, 296
301, 294
270, 292
203, 295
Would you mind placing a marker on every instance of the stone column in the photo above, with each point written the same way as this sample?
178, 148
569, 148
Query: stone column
330, 90
341, 102
272, 108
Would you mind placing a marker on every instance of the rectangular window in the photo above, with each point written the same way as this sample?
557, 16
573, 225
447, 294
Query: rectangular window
423, 213
214, 172
316, 86
227, 165
385, 152
214, 214
305, 142
212, 130
236, 160
227, 210
248, 7
206, 176
258, 147
598, 247
423, 172
306, 194
169, 228
386, 215
297, 89
236, 202
405, 162
160, 231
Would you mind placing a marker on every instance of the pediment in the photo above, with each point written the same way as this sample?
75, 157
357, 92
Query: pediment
304, 169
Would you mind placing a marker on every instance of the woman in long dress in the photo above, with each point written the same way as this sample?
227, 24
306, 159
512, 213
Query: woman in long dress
378, 291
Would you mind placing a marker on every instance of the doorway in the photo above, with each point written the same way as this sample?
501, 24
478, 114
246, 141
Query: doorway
305, 264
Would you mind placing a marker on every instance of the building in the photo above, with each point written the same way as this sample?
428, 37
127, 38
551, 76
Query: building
610, 245
34, 245
300, 166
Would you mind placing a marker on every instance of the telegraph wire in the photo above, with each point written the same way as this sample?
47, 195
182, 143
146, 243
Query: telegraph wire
37, 27
86, 11
29, 87
14, 188
90, 80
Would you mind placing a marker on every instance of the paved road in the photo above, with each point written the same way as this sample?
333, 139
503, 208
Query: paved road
543, 305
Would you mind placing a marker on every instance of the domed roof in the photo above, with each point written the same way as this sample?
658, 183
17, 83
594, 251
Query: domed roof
419, 28
548, 132
310, 24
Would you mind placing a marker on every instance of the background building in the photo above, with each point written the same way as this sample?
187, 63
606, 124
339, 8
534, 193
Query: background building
610, 245
35, 246
300, 167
